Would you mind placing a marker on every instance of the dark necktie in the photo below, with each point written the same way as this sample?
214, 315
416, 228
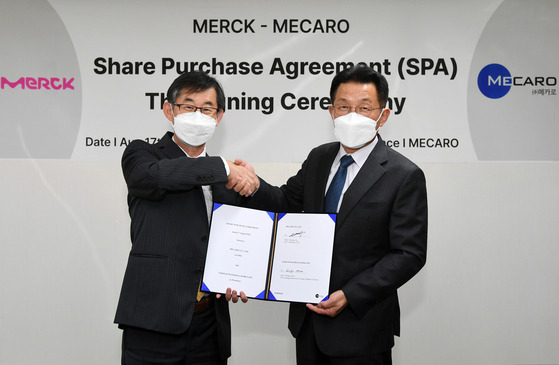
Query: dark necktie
337, 185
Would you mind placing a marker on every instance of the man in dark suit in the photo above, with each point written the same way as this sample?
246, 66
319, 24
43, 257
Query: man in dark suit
381, 230
171, 186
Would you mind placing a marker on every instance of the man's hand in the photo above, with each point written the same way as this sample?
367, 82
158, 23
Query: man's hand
331, 307
244, 164
242, 178
232, 295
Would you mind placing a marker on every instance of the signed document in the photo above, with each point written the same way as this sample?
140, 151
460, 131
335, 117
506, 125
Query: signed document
268, 255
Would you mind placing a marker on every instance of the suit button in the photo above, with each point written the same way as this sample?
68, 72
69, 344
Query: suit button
204, 238
197, 270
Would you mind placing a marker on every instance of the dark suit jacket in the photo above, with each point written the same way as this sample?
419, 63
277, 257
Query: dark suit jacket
169, 231
380, 243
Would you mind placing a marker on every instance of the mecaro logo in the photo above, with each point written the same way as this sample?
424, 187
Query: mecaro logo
38, 83
495, 81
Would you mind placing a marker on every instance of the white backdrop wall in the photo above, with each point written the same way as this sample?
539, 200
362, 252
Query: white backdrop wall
488, 294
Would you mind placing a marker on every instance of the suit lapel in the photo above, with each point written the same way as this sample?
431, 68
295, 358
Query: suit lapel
169, 148
368, 175
321, 178
172, 150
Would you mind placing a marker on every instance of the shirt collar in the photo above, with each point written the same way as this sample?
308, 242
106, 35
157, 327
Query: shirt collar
201, 154
359, 156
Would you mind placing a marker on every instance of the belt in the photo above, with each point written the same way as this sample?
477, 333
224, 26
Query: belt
204, 303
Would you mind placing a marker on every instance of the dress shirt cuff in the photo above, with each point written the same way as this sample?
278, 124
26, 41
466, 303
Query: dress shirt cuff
226, 165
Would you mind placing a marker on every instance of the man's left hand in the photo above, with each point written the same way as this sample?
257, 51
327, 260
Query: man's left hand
331, 307
231, 295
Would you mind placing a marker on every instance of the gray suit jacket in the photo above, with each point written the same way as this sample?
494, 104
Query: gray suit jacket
169, 231
380, 243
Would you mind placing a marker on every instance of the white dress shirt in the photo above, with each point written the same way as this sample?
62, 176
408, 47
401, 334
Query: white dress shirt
359, 156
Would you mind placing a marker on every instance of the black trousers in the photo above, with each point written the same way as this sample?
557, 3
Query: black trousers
308, 352
198, 345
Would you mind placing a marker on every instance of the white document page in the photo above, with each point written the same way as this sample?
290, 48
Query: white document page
303, 257
238, 250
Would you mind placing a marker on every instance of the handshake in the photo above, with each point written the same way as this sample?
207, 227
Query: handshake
242, 178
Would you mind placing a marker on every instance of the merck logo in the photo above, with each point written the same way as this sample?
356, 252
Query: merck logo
32, 83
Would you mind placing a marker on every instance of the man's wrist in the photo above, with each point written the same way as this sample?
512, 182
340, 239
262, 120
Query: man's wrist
227, 169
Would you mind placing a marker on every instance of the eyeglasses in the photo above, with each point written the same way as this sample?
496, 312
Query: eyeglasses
365, 110
188, 108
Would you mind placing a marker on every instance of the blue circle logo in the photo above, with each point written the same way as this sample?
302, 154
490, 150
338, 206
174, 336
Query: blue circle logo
494, 81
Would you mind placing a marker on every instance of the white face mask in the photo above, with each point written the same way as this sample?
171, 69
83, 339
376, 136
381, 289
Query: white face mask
354, 130
194, 129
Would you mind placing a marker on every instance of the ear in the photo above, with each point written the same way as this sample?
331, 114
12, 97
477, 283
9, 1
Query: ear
383, 118
219, 116
168, 111
331, 111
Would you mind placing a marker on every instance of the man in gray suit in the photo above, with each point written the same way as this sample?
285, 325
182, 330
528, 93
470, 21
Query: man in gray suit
171, 187
381, 230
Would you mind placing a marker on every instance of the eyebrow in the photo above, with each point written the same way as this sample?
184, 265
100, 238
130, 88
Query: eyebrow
190, 100
360, 100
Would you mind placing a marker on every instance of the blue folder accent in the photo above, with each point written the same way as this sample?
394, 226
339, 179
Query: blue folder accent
261, 295
325, 298
217, 205
280, 216
333, 216
272, 215
271, 296
204, 287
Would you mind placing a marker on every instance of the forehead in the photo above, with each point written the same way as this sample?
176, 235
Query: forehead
356, 92
206, 97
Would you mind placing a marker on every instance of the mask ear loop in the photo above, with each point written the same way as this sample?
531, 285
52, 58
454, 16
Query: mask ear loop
376, 121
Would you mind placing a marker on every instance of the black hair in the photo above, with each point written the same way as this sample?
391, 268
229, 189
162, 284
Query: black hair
195, 81
361, 74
